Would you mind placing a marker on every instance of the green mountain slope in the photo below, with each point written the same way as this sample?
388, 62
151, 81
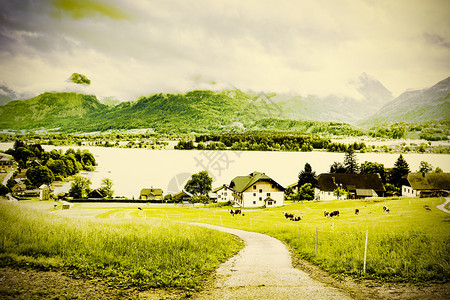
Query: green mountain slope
48, 110
431, 104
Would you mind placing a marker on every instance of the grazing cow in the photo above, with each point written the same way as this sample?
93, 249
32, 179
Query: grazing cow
288, 215
356, 211
427, 207
334, 213
386, 209
55, 206
139, 208
296, 218
326, 214
235, 212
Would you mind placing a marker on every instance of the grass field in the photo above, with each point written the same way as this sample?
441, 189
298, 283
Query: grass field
409, 244
125, 253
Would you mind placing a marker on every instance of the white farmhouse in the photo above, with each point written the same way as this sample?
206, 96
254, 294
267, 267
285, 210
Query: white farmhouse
431, 184
257, 190
224, 194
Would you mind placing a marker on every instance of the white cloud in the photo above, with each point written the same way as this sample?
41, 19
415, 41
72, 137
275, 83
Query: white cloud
162, 46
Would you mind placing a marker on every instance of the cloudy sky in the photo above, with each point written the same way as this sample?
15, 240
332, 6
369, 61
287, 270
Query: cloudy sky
134, 48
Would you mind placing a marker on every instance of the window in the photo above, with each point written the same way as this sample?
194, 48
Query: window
225, 193
260, 190
260, 198
254, 202
268, 194
254, 194
273, 186
254, 187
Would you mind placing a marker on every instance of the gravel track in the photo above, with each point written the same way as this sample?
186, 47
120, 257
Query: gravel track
263, 270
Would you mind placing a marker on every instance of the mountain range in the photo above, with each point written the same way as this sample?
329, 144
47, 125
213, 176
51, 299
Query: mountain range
229, 110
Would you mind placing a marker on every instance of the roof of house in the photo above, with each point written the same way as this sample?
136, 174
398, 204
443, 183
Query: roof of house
96, 194
242, 183
431, 181
219, 188
330, 181
181, 194
151, 191
366, 193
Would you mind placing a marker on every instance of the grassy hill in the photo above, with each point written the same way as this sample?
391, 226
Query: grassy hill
48, 110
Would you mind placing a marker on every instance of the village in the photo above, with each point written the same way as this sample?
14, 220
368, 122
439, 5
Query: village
345, 180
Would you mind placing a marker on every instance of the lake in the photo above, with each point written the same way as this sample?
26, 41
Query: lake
134, 169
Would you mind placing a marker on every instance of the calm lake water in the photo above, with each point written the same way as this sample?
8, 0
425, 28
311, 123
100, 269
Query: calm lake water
134, 169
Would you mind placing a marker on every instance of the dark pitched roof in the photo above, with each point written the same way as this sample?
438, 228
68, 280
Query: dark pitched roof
330, 181
182, 194
241, 183
431, 181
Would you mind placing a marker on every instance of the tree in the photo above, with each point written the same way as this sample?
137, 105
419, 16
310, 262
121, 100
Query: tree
438, 170
58, 167
21, 155
3, 190
306, 192
40, 175
337, 167
80, 187
78, 78
350, 164
400, 169
307, 176
200, 199
199, 184
373, 168
425, 167
339, 192
106, 187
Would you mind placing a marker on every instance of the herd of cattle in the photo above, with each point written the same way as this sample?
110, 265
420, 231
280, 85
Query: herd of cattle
326, 214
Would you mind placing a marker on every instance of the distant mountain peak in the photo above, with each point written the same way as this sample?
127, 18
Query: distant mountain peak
372, 89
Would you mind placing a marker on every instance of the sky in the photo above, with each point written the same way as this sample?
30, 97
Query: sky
135, 48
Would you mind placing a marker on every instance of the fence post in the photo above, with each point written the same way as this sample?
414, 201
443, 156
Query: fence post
365, 251
317, 237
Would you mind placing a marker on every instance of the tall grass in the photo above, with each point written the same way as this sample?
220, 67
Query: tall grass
408, 244
128, 253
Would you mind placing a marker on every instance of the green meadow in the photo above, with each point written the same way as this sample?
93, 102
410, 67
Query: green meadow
155, 246
410, 243
125, 253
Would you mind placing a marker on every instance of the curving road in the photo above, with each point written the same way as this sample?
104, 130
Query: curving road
263, 270
442, 206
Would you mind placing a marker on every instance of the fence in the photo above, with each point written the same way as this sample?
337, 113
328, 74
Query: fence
373, 253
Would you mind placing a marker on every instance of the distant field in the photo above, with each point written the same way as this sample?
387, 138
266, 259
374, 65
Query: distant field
410, 243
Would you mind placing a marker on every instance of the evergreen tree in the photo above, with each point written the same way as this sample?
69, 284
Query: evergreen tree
400, 169
350, 164
307, 176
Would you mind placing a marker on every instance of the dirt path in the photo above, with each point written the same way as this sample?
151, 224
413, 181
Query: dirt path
263, 270
442, 206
